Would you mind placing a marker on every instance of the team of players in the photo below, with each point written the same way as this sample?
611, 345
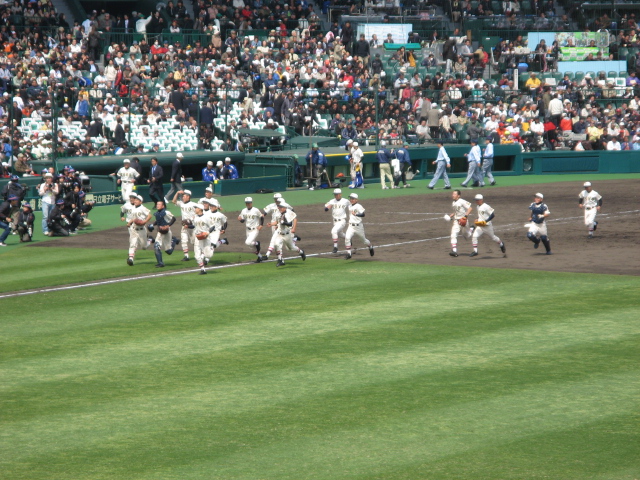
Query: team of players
203, 224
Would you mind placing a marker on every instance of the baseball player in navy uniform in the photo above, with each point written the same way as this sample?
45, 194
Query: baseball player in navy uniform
137, 218
285, 235
486, 215
461, 210
538, 225
402, 154
253, 220
474, 158
165, 240
442, 162
355, 227
339, 212
384, 162
187, 212
487, 163
591, 202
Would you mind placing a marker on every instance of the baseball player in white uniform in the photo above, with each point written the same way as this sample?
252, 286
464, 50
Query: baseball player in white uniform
187, 212
339, 212
355, 227
274, 227
485, 214
285, 236
127, 178
137, 218
538, 226
203, 226
219, 221
125, 209
461, 210
253, 220
272, 209
356, 164
591, 202
208, 194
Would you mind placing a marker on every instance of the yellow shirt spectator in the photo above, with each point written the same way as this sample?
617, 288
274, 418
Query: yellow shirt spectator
533, 82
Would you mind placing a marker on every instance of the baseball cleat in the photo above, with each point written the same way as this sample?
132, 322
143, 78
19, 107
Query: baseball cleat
473, 254
595, 226
130, 261
296, 238
536, 244
503, 249
257, 248
259, 259
264, 258
159, 265
493, 183
203, 272
185, 259
347, 256
430, 188
371, 250
279, 263
407, 185
335, 250
448, 188
385, 188
549, 253
303, 255
453, 254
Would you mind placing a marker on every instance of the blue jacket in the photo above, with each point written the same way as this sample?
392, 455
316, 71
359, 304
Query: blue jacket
231, 172
317, 158
383, 155
402, 154
208, 175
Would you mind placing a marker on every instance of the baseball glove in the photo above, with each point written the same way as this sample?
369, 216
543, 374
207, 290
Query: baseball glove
480, 223
164, 229
139, 222
202, 235
186, 223
462, 221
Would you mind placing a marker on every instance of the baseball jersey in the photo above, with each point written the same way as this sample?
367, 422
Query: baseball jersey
163, 217
202, 223
590, 199
356, 155
339, 208
127, 175
538, 210
460, 208
272, 209
484, 212
125, 210
219, 219
251, 217
289, 216
353, 211
187, 209
139, 212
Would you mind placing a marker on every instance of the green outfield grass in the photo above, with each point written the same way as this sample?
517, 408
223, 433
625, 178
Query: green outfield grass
361, 370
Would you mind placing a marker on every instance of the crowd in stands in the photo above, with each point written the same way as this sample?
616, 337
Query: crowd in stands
57, 93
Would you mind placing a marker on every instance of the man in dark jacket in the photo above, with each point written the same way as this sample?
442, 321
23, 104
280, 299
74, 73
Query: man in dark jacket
5, 217
58, 221
362, 49
24, 226
156, 190
119, 135
176, 176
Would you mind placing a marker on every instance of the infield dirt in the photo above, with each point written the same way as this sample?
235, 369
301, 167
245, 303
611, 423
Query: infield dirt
411, 229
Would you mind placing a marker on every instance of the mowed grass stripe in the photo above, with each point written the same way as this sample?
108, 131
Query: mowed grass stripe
297, 447
146, 393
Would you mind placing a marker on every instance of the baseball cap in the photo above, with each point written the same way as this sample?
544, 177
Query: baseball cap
14, 177
479, 197
60, 202
179, 155
248, 200
208, 189
337, 191
353, 195
133, 195
219, 163
199, 205
587, 184
139, 197
228, 159
355, 144
210, 163
187, 192
12, 198
277, 195
539, 195
48, 175
126, 160
26, 204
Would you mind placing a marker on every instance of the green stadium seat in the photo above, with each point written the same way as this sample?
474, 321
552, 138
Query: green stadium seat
612, 74
578, 76
571, 74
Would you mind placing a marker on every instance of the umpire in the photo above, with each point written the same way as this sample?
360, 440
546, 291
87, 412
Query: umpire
156, 190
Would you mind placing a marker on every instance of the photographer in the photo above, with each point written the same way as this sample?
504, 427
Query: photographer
25, 222
83, 209
58, 222
48, 190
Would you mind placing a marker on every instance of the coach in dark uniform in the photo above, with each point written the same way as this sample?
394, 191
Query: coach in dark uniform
176, 176
156, 190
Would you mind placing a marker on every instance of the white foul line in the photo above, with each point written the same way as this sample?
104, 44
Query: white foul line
512, 226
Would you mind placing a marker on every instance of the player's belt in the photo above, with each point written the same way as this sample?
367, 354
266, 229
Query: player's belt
251, 228
589, 208
355, 224
336, 220
139, 228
